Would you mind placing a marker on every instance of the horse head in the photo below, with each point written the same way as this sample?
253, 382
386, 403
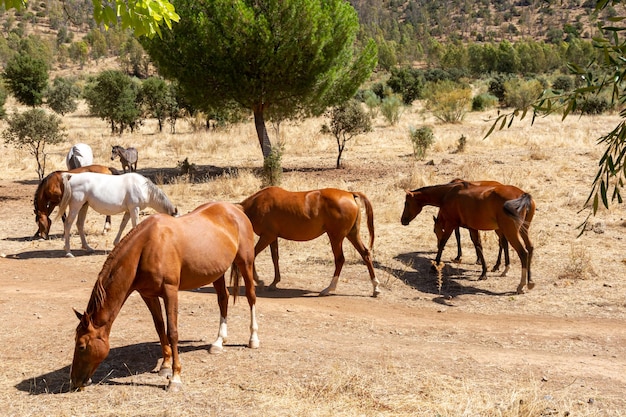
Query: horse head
92, 347
412, 207
114, 152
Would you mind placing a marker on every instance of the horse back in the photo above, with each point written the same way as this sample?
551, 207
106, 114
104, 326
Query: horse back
194, 249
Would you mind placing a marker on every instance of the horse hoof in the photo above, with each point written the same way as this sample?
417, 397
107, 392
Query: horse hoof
482, 278
520, 289
215, 349
272, 287
325, 293
253, 344
69, 255
174, 386
531, 285
376, 292
166, 372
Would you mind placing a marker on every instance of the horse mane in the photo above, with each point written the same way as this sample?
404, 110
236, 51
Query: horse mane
98, 294
159, 197
38, 191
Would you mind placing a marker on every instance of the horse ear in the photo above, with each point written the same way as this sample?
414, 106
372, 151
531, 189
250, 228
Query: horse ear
80, 316
435, 219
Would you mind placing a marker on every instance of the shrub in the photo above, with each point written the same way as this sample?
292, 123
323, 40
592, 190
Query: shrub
521, 94
61, 96
422, 139
347, 121
272, 166
391, 109
372, 101
593, 105
563, 83
484, 101
448, 101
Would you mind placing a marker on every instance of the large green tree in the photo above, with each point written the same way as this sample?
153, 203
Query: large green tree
283, 57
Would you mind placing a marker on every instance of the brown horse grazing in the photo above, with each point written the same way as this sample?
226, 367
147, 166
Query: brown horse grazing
48, 196
479, 208
301, 216
158, 258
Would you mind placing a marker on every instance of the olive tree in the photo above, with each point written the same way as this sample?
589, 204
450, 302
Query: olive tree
34, 129
346, 121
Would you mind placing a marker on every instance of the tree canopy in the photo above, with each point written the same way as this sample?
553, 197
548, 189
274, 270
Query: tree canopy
284, 57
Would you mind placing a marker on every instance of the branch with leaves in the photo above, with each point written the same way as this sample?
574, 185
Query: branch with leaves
601, 76
145, 17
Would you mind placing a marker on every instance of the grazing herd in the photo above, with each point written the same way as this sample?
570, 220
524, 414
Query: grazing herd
161, 255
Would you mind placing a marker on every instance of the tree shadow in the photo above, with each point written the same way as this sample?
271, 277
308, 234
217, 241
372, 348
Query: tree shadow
199, 173
122, 362
456, 280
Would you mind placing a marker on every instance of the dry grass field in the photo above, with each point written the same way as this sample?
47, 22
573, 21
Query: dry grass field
475, 348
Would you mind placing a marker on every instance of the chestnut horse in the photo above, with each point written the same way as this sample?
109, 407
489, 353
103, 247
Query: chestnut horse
160, 257
480, 208
48, 196
305, 215
475, 236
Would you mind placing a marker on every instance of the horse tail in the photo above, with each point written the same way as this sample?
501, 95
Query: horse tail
518, 208
235, 274
370, 215
67, 194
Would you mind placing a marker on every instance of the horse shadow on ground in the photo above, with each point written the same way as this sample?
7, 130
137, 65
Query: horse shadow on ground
54, 253
456, 280
278, 293
122, 362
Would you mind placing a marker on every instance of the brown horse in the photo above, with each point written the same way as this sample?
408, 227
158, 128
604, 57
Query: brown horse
48, 196
475, 236
479, 208
301, 216
158, 258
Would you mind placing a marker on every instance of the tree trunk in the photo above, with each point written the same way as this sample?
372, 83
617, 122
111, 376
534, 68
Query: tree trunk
261, 130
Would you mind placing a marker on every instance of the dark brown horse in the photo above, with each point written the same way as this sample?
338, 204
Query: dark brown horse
158, 258
301, 216
48, 196
479, 208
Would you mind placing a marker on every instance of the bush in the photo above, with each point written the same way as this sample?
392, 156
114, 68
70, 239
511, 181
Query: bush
272, 166
521, 94
448, 101
563, 83
61, 96
391, 109
484, 101
422, 139
372, 101
593, 105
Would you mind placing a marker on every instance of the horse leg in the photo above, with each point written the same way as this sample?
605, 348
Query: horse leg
222, 301
107, 224
67, 226
530, 248
441, 244
264, 242
336, 243
171, 311
459, 253
514, 239
154, 305
503, 247
475, 235
356, 241
122, 226
80, 224
246, 268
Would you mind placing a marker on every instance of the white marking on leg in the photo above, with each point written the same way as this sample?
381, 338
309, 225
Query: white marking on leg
506, 271
254, 328
222, 335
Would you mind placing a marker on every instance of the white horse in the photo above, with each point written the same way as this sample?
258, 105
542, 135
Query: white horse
80, 155
108, 194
